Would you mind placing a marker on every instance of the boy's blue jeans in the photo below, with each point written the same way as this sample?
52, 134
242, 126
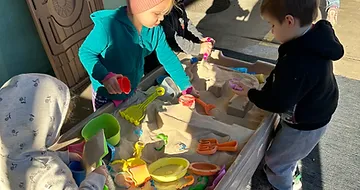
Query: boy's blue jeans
289, 146
332, 3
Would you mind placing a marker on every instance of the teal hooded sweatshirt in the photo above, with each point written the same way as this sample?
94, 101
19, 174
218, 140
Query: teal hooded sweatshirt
114, 45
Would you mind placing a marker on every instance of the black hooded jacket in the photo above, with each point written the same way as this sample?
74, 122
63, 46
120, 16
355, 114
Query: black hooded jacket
302, 87
181, 34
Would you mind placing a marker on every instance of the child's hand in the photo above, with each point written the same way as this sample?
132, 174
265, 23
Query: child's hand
208, 39
195, 93
205, 47
102, 171
74, 156
112, 85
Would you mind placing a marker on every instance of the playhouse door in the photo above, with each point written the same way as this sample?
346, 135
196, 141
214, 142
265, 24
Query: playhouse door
63, 26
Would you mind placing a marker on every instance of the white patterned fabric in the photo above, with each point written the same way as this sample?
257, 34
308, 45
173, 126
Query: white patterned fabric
33, 108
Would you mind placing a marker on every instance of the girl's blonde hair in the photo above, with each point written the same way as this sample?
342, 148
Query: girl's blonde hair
173, 4
176, 5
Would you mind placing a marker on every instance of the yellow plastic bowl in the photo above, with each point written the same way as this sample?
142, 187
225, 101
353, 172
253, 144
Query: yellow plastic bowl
168, 169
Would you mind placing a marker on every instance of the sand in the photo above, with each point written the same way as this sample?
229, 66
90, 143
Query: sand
185, 126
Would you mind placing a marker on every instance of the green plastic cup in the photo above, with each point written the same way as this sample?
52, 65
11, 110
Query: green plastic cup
104, 121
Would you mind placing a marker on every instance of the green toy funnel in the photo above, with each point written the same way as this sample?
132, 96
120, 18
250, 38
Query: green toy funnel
104, 121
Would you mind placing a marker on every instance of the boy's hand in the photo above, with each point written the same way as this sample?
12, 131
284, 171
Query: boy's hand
205, 47
74, 156
102, 171
112, 85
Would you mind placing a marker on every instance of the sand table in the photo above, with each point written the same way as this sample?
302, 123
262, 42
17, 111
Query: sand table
184, 126
212, 81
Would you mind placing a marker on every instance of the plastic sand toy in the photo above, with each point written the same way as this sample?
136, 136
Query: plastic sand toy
240, 69
124, 180
211, 146
207, 107
194, 60
163, 137
187, 100
124, 84
235, 84
202, 183
171, 88
168, 169
178, 184
111, 155
138, 132
135, 113
136, 167
204, 169
104, 121
216, 181
260, 78
136, 160
77, 148
182, 146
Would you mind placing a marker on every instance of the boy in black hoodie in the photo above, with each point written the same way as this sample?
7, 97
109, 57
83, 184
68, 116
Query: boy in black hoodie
181, 35
302, 87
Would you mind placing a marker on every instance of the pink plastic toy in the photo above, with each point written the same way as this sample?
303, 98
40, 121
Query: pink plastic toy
77, 148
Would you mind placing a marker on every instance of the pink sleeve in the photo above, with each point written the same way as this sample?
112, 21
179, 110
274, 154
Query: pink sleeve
108, 76
187, 91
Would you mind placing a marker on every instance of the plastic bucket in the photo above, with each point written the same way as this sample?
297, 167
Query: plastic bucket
77, 148
77, 171
104, 121
124, 84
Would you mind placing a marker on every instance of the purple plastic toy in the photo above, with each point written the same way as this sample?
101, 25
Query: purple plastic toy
219, 176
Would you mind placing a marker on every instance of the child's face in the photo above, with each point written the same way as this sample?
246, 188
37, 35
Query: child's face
285, 31
155, 15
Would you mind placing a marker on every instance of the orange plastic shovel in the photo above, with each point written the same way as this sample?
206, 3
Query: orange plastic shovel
207, 107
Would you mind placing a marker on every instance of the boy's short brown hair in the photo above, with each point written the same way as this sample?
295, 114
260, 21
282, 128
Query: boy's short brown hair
304, 10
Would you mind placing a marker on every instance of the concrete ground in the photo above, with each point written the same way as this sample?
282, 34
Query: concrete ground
241, 33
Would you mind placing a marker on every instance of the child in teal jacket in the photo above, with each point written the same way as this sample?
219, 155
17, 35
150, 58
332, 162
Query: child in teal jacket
119, 42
